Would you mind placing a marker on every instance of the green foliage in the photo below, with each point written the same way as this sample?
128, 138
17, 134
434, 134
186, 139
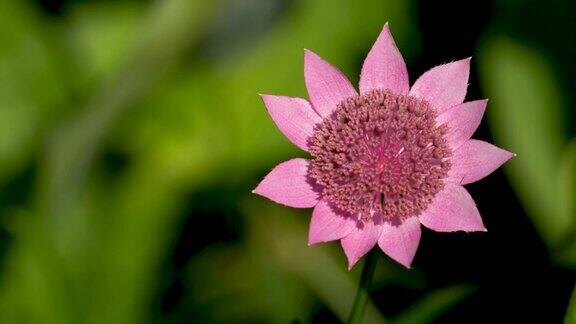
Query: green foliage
32, 88
526, 117
566, 251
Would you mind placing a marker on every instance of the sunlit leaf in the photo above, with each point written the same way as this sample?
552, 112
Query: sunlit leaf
32, 87
101, 35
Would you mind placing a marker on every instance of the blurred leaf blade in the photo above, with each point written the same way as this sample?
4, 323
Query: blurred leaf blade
566, 251
526, 117
32, 88
101, 35
434, 304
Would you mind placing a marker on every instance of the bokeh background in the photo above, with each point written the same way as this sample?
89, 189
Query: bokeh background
131, 135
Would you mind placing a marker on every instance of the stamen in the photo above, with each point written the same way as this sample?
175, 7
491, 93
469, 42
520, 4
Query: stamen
380, 155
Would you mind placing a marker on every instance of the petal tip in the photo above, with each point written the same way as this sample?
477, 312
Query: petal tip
475, 230
258, 190
351, 265
310, 58
465, 62
351, 260
405, 263
509, 155
481, 106
312, 241
327, 86
480, 228
445, 85
475, 160
265, 96
384, 66
308, 53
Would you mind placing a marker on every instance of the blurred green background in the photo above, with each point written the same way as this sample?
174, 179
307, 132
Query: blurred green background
131, 135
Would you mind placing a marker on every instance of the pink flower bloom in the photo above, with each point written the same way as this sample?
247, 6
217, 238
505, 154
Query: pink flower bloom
384, 160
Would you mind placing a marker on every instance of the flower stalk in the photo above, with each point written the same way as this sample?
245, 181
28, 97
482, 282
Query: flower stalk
357, 312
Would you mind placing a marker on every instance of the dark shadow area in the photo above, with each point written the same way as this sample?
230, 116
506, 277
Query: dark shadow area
209, 217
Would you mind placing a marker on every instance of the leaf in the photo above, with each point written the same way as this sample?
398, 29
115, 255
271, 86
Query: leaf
567, 181
566, 250
526, 117
101, 35
434, 304
32, 86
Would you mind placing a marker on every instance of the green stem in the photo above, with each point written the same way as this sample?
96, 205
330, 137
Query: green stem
357, 312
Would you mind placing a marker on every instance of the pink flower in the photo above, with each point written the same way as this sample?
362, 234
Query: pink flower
384, 160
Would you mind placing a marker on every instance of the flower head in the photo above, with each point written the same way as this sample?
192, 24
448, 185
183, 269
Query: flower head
383, 161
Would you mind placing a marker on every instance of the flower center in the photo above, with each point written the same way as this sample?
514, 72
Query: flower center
380, 155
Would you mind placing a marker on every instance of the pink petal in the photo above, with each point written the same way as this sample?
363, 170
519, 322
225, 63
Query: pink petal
384, 67
452, 210
474, 160
294, 117
462, 121
360, 242
326, 85
287, 184
400, 242
443, 86
327, 225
